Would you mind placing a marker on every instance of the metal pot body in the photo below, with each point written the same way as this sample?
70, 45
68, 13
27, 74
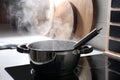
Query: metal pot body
43, 52
64, 63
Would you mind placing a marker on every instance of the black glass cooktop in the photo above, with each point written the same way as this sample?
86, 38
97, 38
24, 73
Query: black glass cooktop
23, 72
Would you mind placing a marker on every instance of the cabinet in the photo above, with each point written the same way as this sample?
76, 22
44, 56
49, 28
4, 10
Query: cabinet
4, 19
113, 40
113, 28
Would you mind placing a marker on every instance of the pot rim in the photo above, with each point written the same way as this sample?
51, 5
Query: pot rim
61, 50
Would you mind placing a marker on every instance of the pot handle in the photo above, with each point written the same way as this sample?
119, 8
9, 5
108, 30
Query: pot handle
22, 48
86, 49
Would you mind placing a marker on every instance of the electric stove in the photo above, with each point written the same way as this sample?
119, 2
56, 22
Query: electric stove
25, 72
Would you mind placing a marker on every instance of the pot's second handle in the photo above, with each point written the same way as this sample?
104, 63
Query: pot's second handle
86, 49
22, 48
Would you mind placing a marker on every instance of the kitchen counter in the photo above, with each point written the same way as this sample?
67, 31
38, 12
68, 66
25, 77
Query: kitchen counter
13, 58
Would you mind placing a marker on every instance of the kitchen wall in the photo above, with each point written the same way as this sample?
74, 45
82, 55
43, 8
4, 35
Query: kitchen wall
100, 41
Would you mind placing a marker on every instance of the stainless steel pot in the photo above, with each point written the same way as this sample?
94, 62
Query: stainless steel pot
53, 56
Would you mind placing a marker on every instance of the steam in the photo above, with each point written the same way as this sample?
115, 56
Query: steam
24, 14
39, 17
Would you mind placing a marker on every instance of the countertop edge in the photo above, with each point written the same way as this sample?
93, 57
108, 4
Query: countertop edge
112, 55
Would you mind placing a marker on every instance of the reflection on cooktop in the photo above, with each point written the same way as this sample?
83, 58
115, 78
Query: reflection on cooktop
23, 72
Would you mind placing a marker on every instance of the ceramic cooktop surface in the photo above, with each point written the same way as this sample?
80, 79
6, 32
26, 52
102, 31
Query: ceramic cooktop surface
23, 72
